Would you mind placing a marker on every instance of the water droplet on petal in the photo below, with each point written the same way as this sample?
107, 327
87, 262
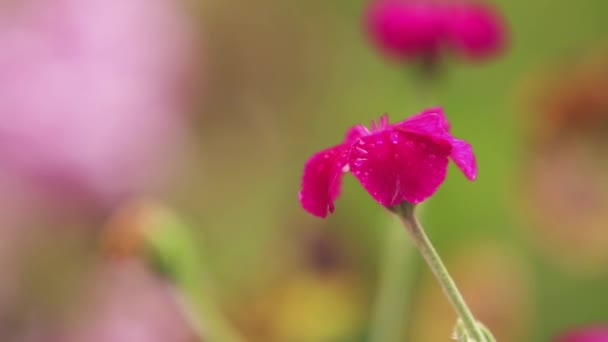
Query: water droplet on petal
361, 150
394, 137
359, 161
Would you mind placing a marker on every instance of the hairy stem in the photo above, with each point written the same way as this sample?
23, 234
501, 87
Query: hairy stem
405, 211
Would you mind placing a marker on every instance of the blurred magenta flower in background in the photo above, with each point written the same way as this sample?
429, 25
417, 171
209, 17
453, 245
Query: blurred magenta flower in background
410, 29
406, 161
92, 94
589, 334
475, 30
406, 29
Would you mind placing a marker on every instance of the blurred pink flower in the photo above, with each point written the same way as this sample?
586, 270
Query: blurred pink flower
589, 334
406, 161
408, 29
91, 93
128, 304
475, 30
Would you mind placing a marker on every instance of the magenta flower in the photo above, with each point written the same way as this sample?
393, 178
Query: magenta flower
475, 30
406, 161
590, 334
408, 29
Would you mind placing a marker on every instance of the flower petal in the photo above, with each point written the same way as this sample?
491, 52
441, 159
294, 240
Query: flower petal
463, 157
597, 333
402, 29
476, 30
431, 121
322, 180
394, 166
355, 133
434, 124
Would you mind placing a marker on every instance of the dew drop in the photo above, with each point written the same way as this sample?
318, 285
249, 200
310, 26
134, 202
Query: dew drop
361, 150
394, 137
358, 162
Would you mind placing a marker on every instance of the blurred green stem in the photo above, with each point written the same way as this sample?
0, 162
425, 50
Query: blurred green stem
397, 268
487, 333
174, 253
405, 211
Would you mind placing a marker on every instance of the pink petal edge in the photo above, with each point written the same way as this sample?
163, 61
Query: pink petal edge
355, 133
463, 157
322, 180
430, 121
433, 122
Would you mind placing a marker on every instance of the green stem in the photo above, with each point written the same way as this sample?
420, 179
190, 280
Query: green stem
487, 333
174, 253
405, 211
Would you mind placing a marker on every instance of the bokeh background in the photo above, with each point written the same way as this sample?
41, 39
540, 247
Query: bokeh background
210, 108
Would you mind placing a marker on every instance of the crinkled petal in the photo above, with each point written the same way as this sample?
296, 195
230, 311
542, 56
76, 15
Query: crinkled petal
434, 124
431, 121
355, 133
393, 165
463, 157
322, 180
